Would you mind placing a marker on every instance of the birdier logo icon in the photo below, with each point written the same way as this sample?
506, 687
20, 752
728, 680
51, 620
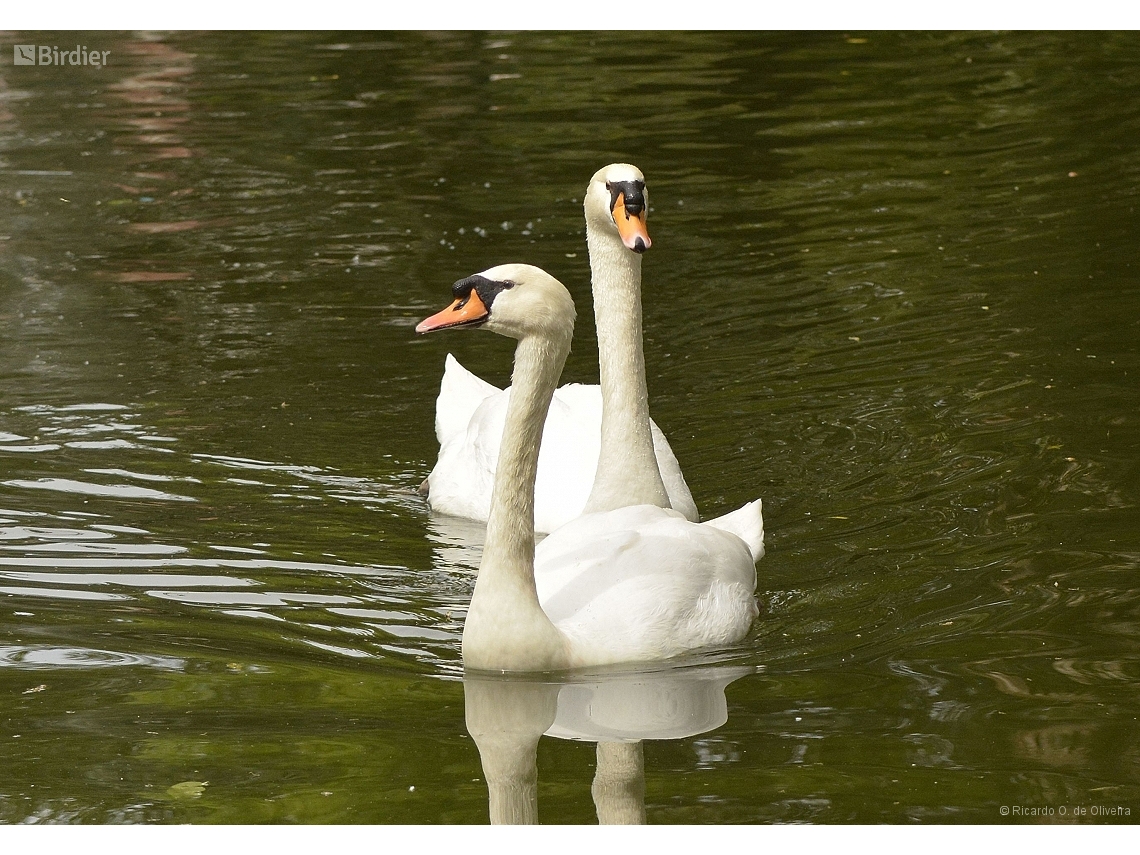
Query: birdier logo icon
53, 55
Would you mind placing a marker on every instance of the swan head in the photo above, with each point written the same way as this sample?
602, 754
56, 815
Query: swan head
617, 203
515, 300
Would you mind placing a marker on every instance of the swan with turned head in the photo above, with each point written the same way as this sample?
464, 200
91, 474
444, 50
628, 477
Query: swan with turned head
631, 582
593, 447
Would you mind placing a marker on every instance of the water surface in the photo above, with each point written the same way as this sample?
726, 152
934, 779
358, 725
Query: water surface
893, 291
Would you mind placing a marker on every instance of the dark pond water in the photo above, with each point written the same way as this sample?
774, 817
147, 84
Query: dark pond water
894, 290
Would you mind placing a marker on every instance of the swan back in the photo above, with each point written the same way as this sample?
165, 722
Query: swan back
643, 583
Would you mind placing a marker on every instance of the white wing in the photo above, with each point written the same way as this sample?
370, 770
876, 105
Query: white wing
643, 583
470, 414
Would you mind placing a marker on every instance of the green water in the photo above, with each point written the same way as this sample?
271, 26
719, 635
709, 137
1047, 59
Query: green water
893, 291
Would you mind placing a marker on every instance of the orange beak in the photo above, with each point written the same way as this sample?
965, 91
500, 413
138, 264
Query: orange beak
631, 229
465, 311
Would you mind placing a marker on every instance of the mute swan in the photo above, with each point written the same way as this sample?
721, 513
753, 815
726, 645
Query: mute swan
588, 443
635, 584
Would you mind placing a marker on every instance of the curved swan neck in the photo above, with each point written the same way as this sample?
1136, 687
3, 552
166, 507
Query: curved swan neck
510, 524
506, 628
627, 472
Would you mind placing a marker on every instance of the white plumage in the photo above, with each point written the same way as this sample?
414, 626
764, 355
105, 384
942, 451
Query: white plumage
469, 418
470, 412
644, 583
635, 583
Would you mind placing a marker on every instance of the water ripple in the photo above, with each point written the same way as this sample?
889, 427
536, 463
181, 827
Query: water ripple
142, 580
44, 657
116, 491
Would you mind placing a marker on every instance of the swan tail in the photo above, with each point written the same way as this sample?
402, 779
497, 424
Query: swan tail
747, 523
460, 394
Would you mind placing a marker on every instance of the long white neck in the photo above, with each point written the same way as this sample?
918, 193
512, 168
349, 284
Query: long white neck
506, 628
627, 466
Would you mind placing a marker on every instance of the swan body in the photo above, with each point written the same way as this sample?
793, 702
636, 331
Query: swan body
635, 583
470, 414
643, 583
577, 471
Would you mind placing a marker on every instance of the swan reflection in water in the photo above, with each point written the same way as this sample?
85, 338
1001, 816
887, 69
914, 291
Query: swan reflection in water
506, 716
457, 543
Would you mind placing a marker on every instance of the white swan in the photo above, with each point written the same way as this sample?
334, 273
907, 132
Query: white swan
639, 583
575, 459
